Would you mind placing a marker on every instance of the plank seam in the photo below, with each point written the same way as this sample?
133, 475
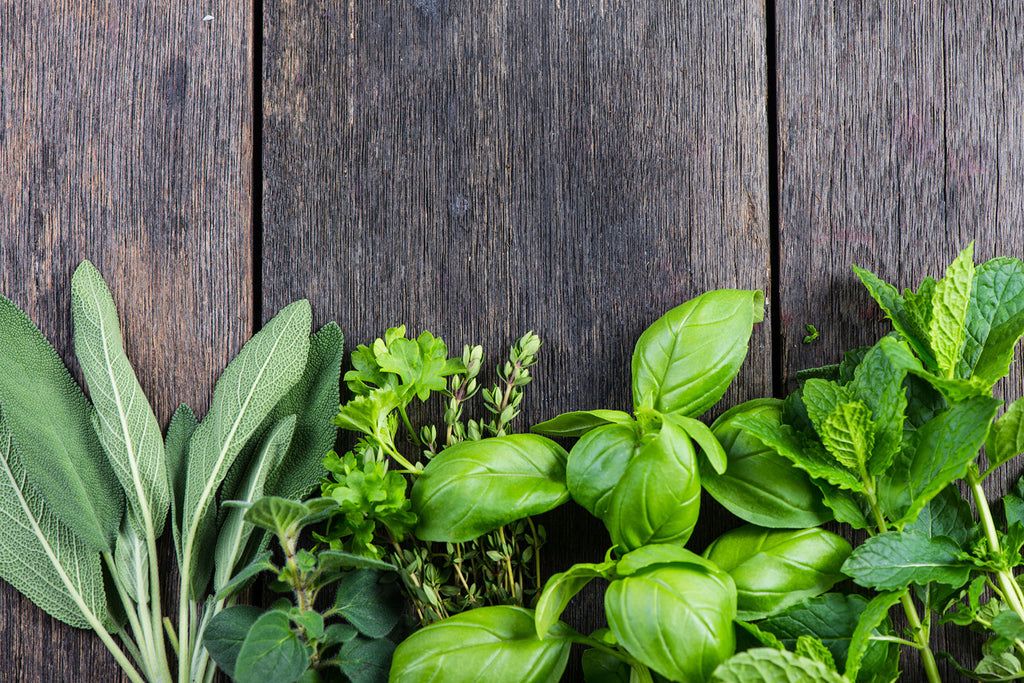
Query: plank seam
774, 188
257, 165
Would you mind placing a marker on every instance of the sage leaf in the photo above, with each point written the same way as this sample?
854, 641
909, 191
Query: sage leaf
950, 301
127, 427
475, 487
271, 651
373, 607
578, 423
685, 360
131, 557
263, 372
768, 665
561, 588
224, 635
179, 433
51, 421
995, 319
41, 556
235, 531
335, 559
896, 559
471, 646
875, 613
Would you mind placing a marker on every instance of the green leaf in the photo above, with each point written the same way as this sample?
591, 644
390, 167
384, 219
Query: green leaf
596, 464
277, 515
658, 554
127, 427
245, 575
235, 532
946, 330
657, 500
847, 507
685, 360
676, 619
366, 661
874, 615
813, 649
848, 434
263, 372
271, 651
422, 364
759, 485
947, 514
335, 559
896, 559
51, 422
224, 635
776, 568
39, 555
179, 433
821, 398
767, 665
335, 634
1006, 438
701, 434
578, 423
903, 320
602, 667
561, 588
475, 487
995, 319
131, 557
368, 604
314, 400
473, 645
1008, 625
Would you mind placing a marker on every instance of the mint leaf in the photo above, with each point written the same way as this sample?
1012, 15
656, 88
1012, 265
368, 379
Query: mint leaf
947, 514
768, 665
995, 319
820, 398
878, 383
848, 434
896, 559
874, 615
1006, 438
895, 308
946, 330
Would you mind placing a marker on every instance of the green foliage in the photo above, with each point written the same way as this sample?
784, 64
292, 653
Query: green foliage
767, 665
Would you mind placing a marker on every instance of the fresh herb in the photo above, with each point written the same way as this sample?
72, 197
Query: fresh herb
812, 333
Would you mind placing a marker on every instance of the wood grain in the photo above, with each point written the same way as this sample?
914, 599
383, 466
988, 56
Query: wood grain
125, 138
481, 169
900, 141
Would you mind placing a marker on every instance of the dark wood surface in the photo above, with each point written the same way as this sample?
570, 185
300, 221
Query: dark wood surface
900, 141
481, 169
125, 139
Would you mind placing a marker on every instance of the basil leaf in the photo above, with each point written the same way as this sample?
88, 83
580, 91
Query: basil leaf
51, 422
657, 554
475, 487
561, 588
578, 423
896, 559
271, 651
701, 434
676, 619
602, 667
685, 360
596, 464
473, 645
768, 665
225, 633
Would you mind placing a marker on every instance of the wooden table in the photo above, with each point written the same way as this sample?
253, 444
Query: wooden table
480, 168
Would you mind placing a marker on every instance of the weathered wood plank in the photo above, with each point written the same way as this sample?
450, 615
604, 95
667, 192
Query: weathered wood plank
900, 140
125, 138
480, 169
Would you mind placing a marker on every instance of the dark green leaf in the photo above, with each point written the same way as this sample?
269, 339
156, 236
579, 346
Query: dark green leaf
1008, 625
179, 432
896, 559
367, 661
271, 651
335, 634
245, 576
947, 514
578, 423
602, 667
224, 635
874, 615
370, 605
1006, 438
995, 319
687, 358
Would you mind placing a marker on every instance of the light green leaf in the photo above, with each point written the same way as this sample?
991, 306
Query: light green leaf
131, 557
561, 588
812, 648
596, 464
263, 372
848, 434
903, 321
277, 515
821, 398
685, 360
271, 651
475, 487
51, 421
578, 423
703, 437
39, 555
1008, 625
946, 330
874, 615
336, 559
179, 433
768, 665
995, 319
473, 645
656, 554
126, 425
235, 531
224, 635
896, 559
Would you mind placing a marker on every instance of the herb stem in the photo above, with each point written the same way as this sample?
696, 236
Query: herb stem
1011, 589
536, 552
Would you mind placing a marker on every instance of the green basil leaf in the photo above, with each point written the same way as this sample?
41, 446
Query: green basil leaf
266, 368
372, 606
759, 485
224, 635
602, 667
702, 435
51, 422
561, 588
126, 425
179, 433
776, 568
875, 614
596, 464
366, 661
896, 559
946, 330
473, 645
767, 665
477, 486
39, 555
995, 319
676, 619
271, 651
685, 360
658, 497
653, 555
578, 423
